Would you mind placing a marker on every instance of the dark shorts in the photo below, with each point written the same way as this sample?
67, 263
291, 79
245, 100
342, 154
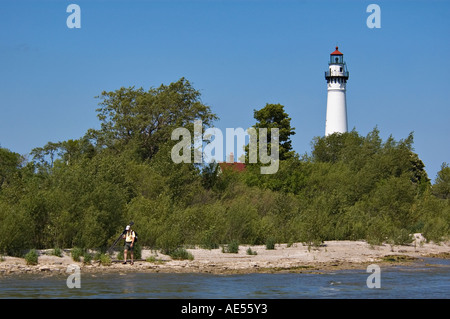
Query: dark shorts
128, 246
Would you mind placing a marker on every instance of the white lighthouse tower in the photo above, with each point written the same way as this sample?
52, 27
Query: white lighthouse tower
336, 76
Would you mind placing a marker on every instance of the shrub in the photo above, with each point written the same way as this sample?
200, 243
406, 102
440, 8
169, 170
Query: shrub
377, 231
270, 243
181, 254
232, 247
209, 240
120, 255
105, 260
56, 252
169, 242
87, 258
153, 259
137, 251
401, 237
76, 253
14, 243
97, 256
251, 252
31, 257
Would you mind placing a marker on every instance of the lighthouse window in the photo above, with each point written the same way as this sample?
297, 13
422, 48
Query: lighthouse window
340, 70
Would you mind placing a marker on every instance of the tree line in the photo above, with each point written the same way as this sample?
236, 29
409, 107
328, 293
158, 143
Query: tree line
80, 193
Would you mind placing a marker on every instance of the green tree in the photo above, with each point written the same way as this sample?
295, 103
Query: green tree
337, 147
441, 187
10, 164
370, 155
15, 230
210, 174
434, 218
82, 192
273, 116
145, 119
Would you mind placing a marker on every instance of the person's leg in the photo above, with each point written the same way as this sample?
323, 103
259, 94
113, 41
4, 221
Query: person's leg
132, 253
125, 256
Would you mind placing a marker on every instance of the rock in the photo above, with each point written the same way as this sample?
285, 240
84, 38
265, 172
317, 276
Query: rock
418, 239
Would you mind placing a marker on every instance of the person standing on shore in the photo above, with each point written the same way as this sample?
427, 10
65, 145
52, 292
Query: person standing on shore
129, 244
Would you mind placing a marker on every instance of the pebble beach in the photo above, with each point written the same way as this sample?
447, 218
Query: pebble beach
297, 257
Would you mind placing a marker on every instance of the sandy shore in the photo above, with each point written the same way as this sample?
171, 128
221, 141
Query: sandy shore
298, 257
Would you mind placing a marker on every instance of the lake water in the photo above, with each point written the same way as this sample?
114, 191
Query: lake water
429, 278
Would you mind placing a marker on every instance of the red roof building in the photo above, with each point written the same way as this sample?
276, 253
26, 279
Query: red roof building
231, 164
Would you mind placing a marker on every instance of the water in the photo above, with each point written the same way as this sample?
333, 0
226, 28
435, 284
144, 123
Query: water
426, 279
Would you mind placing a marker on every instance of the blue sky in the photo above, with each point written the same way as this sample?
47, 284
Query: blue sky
239, 54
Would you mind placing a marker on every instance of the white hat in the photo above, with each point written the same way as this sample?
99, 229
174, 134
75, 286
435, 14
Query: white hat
128, 227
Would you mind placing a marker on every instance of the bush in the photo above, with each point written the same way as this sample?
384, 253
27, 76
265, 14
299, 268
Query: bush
436, 229
209, 239
137, 251
76, 253
14, 243
120, 255
105, 260
270, 243
151, 259
181, 254
169, 242
350, 187
154, 259
401, 237
57, 252
232, 247
251, 252
87, 258
31, 257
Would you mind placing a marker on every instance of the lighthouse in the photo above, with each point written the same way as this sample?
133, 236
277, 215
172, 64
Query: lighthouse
336, 76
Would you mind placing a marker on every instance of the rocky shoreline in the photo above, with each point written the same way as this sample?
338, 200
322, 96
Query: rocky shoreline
332, 255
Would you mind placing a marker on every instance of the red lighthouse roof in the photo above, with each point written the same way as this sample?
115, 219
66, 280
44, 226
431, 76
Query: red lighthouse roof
336, 52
